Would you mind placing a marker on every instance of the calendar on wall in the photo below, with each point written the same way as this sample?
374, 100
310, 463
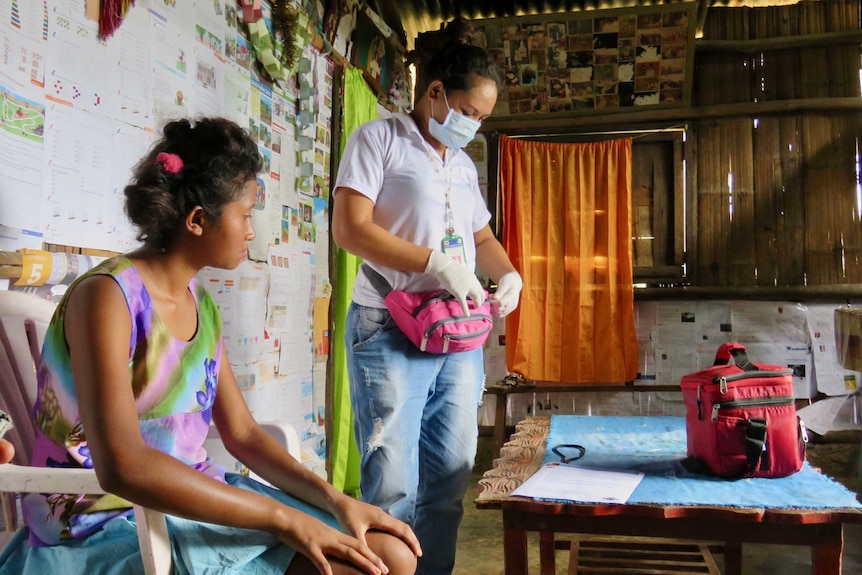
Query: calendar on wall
596, 60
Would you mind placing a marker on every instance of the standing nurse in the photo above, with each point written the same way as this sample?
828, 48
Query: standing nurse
407, 201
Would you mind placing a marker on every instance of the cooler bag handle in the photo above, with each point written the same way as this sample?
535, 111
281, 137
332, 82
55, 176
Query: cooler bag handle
735, 352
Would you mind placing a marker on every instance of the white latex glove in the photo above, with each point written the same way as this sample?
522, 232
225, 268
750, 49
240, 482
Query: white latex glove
457, 279
505, 299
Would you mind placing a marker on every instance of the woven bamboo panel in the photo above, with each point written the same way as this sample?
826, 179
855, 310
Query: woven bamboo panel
780, 223
812, 72
829, 185
726, 239
776, 194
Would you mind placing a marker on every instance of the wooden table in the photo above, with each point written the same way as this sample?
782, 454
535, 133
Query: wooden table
820, 529
502, 393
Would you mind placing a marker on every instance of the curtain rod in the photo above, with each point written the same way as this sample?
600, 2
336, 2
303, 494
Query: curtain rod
607, 133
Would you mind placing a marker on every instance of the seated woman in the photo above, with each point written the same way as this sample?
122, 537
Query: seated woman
134, 370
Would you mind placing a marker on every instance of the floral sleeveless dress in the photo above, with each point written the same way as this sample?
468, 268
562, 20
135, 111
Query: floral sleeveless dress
174, 384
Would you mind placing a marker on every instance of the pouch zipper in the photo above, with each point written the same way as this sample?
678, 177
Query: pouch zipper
462, 336
442, 296
439, 323
752, 402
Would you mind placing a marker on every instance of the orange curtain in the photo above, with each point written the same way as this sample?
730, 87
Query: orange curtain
567, 229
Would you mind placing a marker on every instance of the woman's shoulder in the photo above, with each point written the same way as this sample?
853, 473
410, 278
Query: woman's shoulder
209, 316
111, 266
465, 163
379, 128
107, 274
123, 271
116, 275
204, 298
377, 136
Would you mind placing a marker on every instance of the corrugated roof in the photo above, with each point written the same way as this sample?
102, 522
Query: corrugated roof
418, 16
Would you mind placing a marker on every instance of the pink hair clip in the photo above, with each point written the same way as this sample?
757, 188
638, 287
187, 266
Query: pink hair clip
171, 163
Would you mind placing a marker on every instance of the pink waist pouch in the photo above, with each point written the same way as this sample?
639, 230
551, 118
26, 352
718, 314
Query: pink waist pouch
435, 321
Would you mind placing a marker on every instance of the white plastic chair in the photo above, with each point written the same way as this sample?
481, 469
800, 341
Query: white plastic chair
23, 321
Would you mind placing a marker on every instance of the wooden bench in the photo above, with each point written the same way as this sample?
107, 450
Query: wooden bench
591, 554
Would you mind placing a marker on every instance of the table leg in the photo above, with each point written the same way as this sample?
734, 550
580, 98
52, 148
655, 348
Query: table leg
733, 558
515, 551
826, 557
547, 553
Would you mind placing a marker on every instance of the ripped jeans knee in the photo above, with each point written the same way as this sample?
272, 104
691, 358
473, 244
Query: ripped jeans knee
375, 440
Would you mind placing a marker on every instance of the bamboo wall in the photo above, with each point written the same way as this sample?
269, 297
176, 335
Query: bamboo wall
652, 213
776, 193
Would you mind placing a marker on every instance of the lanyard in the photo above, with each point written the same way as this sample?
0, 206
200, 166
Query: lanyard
447, 190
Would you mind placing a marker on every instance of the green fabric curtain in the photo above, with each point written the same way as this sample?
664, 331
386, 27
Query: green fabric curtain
360, 105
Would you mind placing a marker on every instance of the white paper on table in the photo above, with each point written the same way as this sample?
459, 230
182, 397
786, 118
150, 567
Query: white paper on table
568, 483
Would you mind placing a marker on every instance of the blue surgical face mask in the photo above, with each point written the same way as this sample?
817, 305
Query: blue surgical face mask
456, 131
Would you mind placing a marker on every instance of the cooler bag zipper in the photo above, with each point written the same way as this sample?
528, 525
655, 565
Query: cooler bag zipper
723, 379
752, 402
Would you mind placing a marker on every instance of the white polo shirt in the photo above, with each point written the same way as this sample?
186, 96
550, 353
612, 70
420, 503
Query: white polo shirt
390, 163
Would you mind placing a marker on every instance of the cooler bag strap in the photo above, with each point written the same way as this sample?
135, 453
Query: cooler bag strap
735, 352
379, 282
755, 445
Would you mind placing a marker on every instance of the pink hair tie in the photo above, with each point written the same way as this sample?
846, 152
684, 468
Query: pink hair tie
172, 163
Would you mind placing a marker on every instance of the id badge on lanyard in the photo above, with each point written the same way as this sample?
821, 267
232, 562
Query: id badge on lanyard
453, 246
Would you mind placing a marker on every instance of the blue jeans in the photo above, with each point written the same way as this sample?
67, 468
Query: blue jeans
416, 426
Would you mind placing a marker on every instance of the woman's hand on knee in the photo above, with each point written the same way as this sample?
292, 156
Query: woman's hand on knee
358, 518
318, 541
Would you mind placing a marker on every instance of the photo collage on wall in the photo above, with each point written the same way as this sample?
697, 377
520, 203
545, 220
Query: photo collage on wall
598, 60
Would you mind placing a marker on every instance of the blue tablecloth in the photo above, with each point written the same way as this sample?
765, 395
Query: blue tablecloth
657, 445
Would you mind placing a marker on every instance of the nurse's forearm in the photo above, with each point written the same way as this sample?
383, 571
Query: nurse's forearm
374, 244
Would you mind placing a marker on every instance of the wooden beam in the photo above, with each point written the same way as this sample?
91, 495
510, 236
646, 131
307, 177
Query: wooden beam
657, 272
823, 40
842, 292
552, 124
702, 6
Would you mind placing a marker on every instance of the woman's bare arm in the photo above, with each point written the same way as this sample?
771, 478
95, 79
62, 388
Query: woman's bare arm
354, 231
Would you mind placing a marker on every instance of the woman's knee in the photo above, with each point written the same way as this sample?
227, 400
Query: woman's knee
394, 552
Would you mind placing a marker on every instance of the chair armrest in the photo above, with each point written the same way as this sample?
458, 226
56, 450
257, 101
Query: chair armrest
283, 432
152, 528
26, 479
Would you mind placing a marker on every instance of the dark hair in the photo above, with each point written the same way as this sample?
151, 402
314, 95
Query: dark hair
450, 55
217, 158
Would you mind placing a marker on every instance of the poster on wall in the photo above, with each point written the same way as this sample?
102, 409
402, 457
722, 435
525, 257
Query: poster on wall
676, 338
372, 54
596, 60
78, 113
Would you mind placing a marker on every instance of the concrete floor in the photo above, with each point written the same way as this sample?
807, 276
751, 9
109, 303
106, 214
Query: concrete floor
480, 541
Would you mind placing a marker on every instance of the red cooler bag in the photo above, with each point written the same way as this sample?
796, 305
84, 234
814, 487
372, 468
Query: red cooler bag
741, 418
